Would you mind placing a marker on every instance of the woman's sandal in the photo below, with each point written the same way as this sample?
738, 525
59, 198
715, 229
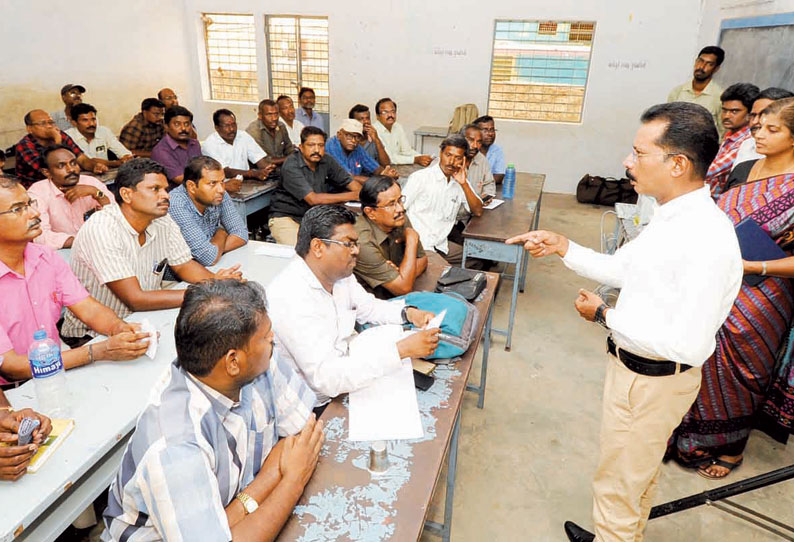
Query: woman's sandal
720, 463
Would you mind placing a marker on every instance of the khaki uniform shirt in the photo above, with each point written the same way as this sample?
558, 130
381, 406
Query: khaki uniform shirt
709, 98
276, 146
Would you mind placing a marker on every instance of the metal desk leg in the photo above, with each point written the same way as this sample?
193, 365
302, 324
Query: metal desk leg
514, 299
444, 530
486, 347
523, 282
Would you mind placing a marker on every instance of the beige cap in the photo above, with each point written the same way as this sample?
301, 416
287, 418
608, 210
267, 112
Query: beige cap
352, 126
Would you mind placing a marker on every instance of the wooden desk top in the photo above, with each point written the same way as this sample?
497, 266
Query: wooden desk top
514, 216
343, 501
251, 189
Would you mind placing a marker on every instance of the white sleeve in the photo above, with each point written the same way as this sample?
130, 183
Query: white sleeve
252, 148
370, 309
609, 269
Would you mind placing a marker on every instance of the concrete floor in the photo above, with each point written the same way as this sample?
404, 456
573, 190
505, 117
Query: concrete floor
526, 460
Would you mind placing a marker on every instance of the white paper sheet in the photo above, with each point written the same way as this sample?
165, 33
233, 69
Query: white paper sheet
494, 203
148, 327
387, 408
436, 320
277, 251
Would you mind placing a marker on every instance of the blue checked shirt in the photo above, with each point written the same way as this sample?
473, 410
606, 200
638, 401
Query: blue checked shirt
358, 162
198, 229
194, 450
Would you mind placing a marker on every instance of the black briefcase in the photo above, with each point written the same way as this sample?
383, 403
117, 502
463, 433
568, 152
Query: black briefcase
467, 283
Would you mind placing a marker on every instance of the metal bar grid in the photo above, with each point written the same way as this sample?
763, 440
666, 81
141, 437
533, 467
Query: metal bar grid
230, 41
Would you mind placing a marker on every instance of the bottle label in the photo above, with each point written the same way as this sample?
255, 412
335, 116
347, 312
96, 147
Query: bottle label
47, 366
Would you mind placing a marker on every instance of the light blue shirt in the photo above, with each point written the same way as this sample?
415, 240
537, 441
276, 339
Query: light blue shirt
496, 157
316, 119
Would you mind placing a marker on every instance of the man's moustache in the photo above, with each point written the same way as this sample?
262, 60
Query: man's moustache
629, 176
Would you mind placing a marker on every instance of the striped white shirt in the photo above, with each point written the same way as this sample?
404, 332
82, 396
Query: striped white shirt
106, 249
195, 449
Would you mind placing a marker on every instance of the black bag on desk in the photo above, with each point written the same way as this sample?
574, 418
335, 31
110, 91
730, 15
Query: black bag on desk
605, 190
464, 282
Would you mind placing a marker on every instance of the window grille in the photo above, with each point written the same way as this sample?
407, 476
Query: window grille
231, 57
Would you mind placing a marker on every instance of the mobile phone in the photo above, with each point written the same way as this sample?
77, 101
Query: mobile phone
486, 199
422, 381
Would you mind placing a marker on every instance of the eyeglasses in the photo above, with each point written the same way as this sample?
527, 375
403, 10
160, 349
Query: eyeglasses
349, 245
399, 201
635, 156
43, 123
20, 209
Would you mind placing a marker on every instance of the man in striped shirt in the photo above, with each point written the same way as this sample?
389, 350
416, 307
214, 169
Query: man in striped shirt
205, 462
121, 253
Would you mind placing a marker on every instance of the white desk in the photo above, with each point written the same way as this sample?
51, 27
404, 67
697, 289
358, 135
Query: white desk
107, 398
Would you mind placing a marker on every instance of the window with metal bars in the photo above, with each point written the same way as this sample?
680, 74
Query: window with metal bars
298, 57
231, 57
539, 70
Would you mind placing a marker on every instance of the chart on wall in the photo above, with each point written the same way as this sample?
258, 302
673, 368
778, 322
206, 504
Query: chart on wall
758, 50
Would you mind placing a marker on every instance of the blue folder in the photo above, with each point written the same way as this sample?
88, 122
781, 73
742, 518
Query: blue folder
756, 246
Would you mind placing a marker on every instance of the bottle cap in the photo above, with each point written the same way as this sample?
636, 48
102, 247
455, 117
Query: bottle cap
39, 335
511, 165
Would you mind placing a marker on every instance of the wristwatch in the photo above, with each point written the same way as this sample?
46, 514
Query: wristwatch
404, 313
248, 503
600, 314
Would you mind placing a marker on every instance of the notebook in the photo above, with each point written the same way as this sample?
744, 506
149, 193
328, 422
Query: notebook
60, 430
756, 246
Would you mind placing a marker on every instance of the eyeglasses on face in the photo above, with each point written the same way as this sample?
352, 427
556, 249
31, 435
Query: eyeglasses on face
399, 201
21, 208
349, 245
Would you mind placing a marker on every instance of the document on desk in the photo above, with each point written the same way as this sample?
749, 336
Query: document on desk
387, 408
494, 204
276, 251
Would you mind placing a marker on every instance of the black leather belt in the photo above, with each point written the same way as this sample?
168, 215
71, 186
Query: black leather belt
645, 366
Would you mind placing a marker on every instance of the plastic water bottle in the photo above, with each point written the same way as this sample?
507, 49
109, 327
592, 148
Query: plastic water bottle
49, 376
509, 182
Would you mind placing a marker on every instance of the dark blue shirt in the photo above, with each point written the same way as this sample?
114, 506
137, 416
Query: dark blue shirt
358, 162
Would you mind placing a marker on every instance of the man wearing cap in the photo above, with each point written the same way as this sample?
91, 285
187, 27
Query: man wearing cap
346, 149
71, 95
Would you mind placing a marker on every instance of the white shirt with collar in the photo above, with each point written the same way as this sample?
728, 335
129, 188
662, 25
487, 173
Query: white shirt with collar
103, 141
313, 330
433, 203
396, 143
235, 156
679, 279
295, 131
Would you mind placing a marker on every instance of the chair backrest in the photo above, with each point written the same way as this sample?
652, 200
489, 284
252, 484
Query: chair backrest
462, 116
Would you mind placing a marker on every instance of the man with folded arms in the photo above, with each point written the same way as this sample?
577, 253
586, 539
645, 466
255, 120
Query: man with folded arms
121, 254
234, 149
205, 461
315, 303
95, 140
36, 285
65, 198
346, 149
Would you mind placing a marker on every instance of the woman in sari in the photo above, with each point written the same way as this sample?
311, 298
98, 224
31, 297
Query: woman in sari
738, 375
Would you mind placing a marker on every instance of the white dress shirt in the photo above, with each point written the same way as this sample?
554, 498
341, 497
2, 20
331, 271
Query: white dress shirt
295, 131
678, 279
746, 152
433, 203
103, 141
313, 330
235, 156
396, 143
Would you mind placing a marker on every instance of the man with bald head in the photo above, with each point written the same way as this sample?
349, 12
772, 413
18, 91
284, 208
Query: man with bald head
168, 97
43, 132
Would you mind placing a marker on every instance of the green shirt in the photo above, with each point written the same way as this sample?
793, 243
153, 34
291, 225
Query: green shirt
376, 248
709, 98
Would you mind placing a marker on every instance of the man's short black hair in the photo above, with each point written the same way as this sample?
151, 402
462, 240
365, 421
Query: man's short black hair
150, 103
455, 140
267, 102
216, 117
368, 196
746, 93
771, 93
283, 97
483, 119
309, 131
28, 119
177, 111
358, 108
216, 316
51, 149
713, 50
383, 101
690, 131
196, 165
81, 109
304, 90
320, 222
132, 172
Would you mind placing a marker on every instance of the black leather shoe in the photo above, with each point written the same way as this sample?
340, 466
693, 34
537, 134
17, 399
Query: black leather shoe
577, 534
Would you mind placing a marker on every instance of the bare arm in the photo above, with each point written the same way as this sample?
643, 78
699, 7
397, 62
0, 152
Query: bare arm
783, 267
409, 268
130, 292
475, 203
498, 178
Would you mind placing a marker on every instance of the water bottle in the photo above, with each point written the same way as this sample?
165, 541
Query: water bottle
49, 376
509, 182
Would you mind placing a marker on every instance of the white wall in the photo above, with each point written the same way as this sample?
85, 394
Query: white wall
121, 52
714, 11
386, 49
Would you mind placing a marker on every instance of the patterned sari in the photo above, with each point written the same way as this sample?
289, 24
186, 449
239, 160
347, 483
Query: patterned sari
737, 377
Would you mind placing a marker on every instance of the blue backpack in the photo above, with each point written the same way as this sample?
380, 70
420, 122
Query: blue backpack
459, 325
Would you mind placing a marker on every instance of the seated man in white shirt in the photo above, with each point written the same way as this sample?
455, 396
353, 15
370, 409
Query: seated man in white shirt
316, 301
286, 111
95, 140
393, 136
436, 195
235, 150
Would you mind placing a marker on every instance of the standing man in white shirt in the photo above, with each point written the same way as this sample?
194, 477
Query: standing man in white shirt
235, 150
95, 140
436, 195
393, 136
678, 279
316, 301
286, 110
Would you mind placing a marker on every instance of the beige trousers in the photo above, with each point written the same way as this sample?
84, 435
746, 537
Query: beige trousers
284, 230
639, 415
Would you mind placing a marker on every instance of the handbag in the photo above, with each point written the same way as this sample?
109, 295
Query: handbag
467, 283
605, 190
